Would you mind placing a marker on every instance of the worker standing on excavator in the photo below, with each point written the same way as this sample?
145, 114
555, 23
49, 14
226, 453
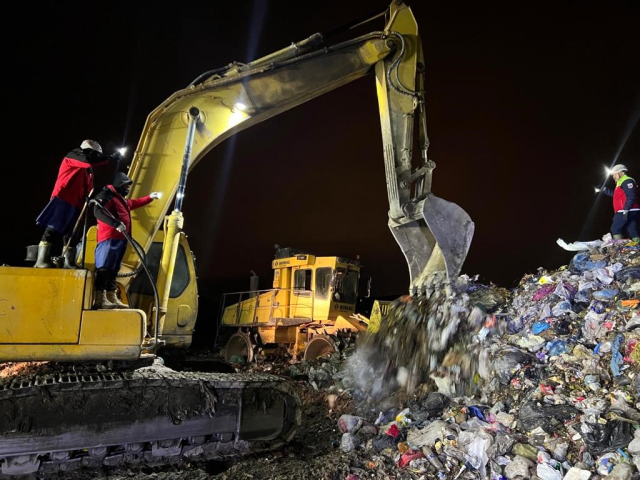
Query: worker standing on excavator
626, 204
73, 185
113, 212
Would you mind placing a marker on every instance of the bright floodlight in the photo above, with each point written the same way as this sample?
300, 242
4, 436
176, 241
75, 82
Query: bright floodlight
597, 190
607, 170
122, 151
240, 106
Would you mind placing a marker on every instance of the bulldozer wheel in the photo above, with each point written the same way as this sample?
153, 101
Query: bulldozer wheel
239, 345
319, 346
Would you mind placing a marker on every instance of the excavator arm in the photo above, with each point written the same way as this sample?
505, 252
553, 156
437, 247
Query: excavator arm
434, 234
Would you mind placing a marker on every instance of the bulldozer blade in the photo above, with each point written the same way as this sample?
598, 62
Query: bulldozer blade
436, 243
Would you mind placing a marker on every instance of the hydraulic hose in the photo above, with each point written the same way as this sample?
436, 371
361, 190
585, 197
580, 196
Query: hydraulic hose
142, 256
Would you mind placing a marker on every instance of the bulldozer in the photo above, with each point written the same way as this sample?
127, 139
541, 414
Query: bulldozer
309, 312
57, 419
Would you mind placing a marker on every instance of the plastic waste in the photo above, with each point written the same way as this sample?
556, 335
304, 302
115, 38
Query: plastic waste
435, 403
622, 471
579, 246
502, 443
349, 423
540, 327
427, 436
543, 292
557, 347
560, 452
565, 290
608, 437
606, 463
616, 356
533, 343
577, 474
408, 456
519, 467
561, 308
582, 262
592, 326
404, 417
634, 446
349, 442
605, 295
628, 273
475, 444
433, 460
547, 472
382, 442
583, 296
547, 417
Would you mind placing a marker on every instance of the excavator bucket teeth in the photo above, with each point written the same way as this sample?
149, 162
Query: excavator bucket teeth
437, 243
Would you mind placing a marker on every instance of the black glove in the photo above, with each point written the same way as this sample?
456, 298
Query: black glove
115, 157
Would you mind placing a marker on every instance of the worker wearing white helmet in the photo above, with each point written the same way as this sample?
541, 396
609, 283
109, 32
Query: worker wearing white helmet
625, 204
73, 185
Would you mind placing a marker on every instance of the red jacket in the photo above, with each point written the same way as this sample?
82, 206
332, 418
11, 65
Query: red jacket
625, 195
120, 208
75, 177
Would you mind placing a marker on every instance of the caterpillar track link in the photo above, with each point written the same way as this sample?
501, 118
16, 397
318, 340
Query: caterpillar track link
59, 422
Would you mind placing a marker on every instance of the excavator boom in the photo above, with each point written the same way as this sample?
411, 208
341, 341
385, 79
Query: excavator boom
433, 234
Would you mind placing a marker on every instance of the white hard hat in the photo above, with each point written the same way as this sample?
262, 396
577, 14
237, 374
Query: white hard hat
92, 144
618, 169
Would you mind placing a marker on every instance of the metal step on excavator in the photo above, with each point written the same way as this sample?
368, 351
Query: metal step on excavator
91, 402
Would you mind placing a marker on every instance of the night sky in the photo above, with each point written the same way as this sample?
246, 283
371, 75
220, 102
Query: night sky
525, 104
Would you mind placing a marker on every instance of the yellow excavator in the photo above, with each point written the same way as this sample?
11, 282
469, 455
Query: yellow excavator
60, 418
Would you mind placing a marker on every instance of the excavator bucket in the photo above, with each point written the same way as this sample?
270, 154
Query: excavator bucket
435, 244
434, 234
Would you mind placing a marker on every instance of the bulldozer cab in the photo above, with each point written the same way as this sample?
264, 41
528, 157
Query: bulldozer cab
306, 289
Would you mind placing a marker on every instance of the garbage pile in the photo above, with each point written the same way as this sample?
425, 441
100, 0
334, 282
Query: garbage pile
542, 382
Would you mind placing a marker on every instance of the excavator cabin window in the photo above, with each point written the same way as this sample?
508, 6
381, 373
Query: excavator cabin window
181, 277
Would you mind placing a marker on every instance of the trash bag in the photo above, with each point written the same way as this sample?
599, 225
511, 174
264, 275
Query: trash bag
508, 362
628, 273
434, 404
582, 262
605, 295
547, 417
606, 438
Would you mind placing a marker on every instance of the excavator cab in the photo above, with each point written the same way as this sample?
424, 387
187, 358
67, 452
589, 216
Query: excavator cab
307, 311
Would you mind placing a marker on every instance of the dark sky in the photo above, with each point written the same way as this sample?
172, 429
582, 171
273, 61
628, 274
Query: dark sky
526, 103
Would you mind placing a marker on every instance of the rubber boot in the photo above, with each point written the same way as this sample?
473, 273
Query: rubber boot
617, 237
102, 302
43, 255
70, 258
112, 298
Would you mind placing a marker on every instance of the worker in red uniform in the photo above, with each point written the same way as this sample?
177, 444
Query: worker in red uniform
73, 185
113, 212
626, 204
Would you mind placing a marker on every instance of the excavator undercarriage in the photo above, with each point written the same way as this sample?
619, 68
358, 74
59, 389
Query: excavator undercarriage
64, 420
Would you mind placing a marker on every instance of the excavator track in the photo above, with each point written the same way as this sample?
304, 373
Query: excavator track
64, 421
